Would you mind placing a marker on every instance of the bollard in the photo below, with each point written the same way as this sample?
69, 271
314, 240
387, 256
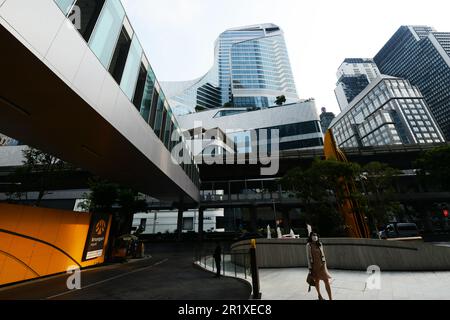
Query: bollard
254, 269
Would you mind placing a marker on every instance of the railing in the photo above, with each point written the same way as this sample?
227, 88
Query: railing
234, 264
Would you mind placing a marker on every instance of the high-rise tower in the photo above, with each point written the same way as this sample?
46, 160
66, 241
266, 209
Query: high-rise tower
422, 56
251, 69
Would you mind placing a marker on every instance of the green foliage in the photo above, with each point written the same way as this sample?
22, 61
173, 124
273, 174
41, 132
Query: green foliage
434, 166
280, 100
228, 105
320, 188
110, 197
38, 173
199, 109
107, 197
377, 181
316, 187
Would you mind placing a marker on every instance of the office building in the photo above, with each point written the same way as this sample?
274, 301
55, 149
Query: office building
390, 111
251, 69
325, 119
421, 55
354, 75
298, 124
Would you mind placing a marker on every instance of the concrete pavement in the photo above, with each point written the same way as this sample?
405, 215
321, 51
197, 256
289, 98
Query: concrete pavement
168, 275
290, 284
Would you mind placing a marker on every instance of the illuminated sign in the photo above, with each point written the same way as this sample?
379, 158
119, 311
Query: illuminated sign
95, 242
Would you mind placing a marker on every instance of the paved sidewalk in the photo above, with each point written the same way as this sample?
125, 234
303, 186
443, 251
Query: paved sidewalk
290, 284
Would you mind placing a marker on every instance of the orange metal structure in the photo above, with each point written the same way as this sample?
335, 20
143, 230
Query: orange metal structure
354, 217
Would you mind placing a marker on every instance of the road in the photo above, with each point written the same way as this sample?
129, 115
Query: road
167, 275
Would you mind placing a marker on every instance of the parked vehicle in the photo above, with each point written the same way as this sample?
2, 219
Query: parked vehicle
128, 247
400, 230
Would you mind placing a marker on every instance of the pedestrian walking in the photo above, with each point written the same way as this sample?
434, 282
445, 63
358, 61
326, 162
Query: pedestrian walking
218, 258
317, 264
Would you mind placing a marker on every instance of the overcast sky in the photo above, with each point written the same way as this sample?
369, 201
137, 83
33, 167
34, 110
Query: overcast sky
178, 35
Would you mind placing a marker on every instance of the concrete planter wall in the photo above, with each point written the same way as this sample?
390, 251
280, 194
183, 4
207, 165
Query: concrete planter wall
353, 254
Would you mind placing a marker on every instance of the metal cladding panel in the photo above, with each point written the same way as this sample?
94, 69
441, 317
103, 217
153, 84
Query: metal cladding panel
66, 53
36, 21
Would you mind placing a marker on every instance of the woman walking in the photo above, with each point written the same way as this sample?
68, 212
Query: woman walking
317, 264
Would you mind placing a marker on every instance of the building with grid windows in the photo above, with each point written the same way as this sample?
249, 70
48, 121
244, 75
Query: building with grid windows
421, 55
390, 111
251, 69
354, 75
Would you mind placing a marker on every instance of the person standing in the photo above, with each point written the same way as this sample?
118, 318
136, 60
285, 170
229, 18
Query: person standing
218, 258
317, 264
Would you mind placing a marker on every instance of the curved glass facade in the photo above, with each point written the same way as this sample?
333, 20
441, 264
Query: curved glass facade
261, 65
251, 69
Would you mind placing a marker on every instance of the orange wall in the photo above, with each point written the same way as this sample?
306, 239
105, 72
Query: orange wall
24, 259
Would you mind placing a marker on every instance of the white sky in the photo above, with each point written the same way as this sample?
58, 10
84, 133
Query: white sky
178, 35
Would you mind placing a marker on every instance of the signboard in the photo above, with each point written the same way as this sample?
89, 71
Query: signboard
95, 242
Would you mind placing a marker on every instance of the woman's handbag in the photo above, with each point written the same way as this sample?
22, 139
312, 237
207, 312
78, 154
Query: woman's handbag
310, 281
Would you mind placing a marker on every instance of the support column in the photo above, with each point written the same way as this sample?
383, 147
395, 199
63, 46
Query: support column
180, 223
201, 212
253, 219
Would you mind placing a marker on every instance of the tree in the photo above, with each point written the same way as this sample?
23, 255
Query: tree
280, 100
38, 173
377, 182
107, 197
316, 187
228, 105
434, 166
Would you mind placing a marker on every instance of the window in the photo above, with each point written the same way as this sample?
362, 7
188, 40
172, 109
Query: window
146, 101
168, 130
119, 59
90, 10
188, 224
158, 117
131, 72
140, 86
154, 107
106, 32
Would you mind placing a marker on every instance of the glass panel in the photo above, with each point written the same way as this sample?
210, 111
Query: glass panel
140, 86
119, 59
158, 117
90, 10
163, 125
104, 38
168, 130
131, 72
64, 5
147, 96
153, 108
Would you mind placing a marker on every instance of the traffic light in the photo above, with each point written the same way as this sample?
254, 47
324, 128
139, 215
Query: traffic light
445, 213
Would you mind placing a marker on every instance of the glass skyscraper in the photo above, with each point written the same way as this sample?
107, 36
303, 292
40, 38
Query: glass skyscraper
422, 55
251, 69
